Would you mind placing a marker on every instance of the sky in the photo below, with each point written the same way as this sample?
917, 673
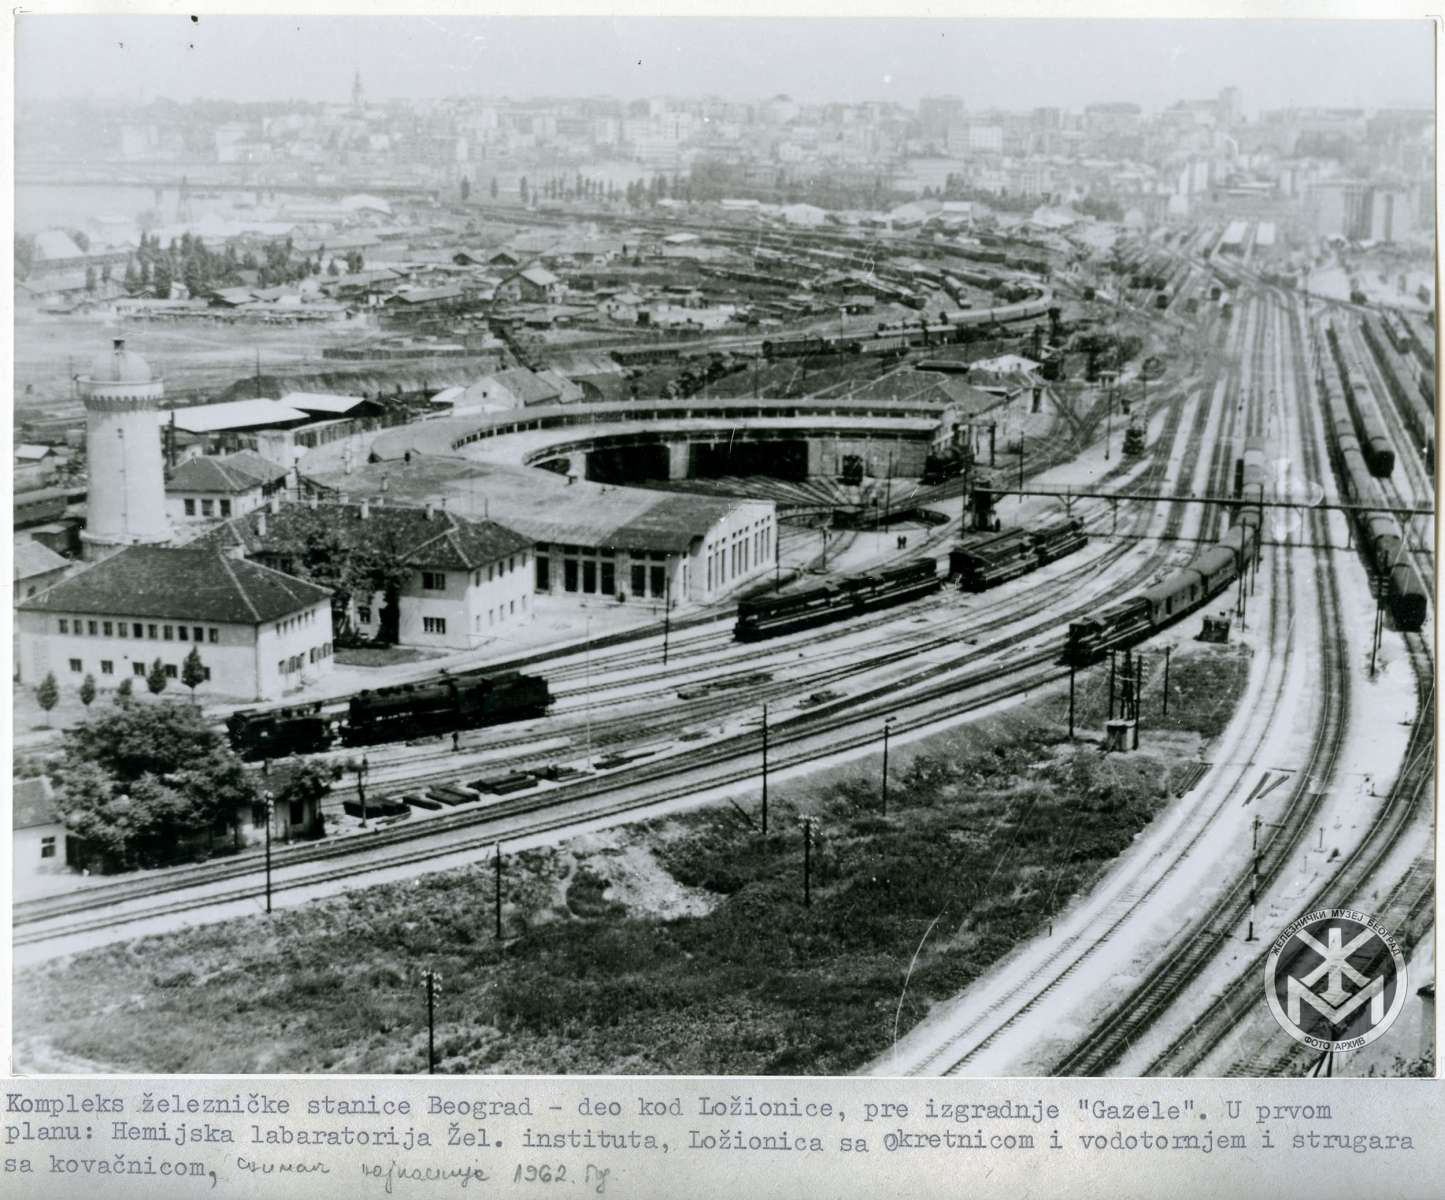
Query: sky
1003, 63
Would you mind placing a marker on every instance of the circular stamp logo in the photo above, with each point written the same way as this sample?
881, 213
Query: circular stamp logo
1335, 979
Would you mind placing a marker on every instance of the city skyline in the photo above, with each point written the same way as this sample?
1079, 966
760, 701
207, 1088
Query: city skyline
988, 63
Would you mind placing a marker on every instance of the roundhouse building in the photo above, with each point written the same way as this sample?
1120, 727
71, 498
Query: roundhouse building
260, 633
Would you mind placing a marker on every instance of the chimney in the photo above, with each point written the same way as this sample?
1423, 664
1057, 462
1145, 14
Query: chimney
118, 344
431, 510
365, 509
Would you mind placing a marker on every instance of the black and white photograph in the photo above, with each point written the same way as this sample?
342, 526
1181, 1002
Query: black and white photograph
723, 546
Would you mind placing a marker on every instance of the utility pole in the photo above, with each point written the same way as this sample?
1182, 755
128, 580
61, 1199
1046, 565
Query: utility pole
270, 812
1168, 650
887, 729
1112, 671
1138, 693
765, 768
363, 768
497, 888
666, 611
807, 862
433, 983
1071, 701
588, 688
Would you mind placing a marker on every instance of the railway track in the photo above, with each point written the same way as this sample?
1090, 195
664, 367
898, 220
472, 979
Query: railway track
984, 1030
1109, 1039
46, 910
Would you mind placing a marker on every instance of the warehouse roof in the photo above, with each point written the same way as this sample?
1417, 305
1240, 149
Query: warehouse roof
36, 558
542, 505
230, 473
33, 803
234, 414
186, 585
322, 402
422, 538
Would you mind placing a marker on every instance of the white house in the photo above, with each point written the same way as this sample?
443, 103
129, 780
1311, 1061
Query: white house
260, 633
38, 845
206, 488
465, 580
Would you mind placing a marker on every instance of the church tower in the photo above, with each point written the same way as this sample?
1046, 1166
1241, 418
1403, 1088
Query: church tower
125, 502
358, 96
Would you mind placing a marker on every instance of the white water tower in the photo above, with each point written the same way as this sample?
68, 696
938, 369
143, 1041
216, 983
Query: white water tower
126, 494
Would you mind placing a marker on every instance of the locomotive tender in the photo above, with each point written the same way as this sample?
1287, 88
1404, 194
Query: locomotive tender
770, 616
1006, 556
442, 705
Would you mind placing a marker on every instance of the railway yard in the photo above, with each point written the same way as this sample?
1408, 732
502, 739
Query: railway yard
1093, 820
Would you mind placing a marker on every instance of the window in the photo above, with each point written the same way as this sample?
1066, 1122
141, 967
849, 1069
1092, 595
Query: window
639, 579
122, 628
92, 628
491, 616
171, 672
433, 581
589, 576
198, 634
491, 571
609, 577
511, 564
64, 625
225, 508
138, 668
107, 667
75, 665
281, 667
215, 636
544, 574
168, 632
363, 614
206, 674
190, 508
659, 581
47, 847
511, 608
137, 630
434, 624
153, 634
183, 633
569, 574
208, 508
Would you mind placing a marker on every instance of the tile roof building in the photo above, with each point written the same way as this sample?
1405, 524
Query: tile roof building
36, 566
38, 832
260, 633
465, 578
208, 487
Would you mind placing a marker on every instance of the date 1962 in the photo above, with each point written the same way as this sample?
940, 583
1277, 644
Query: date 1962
593, 1177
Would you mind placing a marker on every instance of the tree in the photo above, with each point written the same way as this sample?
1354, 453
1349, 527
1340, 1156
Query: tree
47, 695
137, 781
125, 691
161, 278
87, 690
156, 678
193, 671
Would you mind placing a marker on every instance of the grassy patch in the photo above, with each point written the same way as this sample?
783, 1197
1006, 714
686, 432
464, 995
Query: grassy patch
991, 829
379, 656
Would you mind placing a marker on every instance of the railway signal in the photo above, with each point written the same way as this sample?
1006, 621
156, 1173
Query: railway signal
270, 813
432, 981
